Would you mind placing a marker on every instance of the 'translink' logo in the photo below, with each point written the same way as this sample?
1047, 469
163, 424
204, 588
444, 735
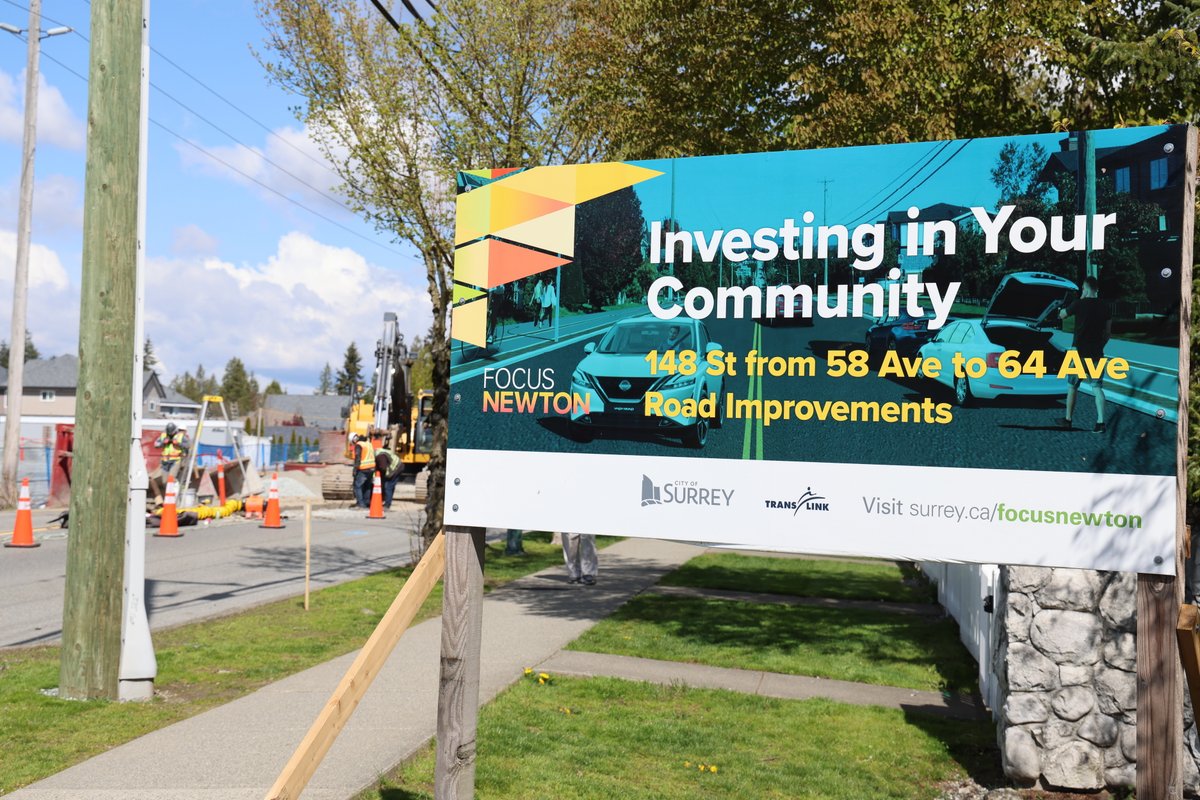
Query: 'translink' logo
809, 501
688, 493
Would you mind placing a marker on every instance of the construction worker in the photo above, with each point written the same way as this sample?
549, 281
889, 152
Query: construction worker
174, 445
389, 466
364, 469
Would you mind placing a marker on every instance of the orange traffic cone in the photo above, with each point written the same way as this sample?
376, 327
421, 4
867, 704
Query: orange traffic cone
273, 520
376, 511
23, 530
168, 526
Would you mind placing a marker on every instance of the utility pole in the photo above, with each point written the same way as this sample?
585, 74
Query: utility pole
825, 219
16, 349
91, 641
1087, 195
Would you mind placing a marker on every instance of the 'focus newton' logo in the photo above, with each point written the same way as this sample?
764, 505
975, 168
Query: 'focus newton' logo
809, 501
688, 493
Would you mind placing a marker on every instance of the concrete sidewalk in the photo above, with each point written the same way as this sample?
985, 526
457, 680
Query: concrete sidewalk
236, 751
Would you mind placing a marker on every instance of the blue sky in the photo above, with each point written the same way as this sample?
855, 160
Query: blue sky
233, 269
865, 183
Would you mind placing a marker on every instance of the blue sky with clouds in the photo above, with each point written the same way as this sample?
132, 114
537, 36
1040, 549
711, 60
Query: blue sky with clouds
234, 269
864, 183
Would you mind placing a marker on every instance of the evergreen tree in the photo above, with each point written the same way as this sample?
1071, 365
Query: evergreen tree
31, 351
350, 375
325, 382
149, 360
273, 388
239, 388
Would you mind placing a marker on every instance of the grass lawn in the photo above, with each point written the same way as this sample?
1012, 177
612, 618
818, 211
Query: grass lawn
208, 663
804, 578
634, 740
847, 644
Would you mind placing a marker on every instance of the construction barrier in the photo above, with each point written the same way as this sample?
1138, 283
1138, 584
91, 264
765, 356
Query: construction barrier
23, 530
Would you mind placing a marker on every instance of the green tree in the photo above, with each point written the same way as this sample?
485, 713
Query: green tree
574, 294
149, 360
31, 351
666, 78
608, 243
400, 109
349, 377
420, 377
239, 388
325, 381
273, 388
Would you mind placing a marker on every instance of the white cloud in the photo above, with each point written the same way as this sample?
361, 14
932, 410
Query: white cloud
289, 162
45, 267
56, 122
193, 240
288, 315
52, 302
57, 204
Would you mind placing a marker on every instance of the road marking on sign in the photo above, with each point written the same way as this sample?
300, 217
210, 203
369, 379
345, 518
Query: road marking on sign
754, 391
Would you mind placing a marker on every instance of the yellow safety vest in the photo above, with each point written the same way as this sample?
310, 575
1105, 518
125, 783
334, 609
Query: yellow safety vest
366, 459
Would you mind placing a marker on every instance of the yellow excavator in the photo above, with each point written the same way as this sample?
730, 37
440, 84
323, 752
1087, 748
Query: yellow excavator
393, 418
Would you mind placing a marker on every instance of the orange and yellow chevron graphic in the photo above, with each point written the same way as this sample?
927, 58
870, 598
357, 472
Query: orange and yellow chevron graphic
520, 224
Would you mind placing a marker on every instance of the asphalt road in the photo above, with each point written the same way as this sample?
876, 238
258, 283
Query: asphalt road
211, 570
1015, 433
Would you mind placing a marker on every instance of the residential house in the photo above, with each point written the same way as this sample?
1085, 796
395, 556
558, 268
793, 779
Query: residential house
50, 387
1151, 171
897, 230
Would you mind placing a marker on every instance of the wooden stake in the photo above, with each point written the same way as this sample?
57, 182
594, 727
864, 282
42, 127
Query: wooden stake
354, 684
91, 640
307, 549
1188, 632
458, 698
1160, 748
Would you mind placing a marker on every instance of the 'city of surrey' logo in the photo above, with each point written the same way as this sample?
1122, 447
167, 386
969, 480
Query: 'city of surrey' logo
651, 494
682, 492
809, 501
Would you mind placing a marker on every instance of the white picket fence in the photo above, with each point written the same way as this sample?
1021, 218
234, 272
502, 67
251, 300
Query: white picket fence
962, 590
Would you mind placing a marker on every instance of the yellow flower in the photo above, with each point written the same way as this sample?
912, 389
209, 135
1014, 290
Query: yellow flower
687, 763
529, 670
543, 676
713, 768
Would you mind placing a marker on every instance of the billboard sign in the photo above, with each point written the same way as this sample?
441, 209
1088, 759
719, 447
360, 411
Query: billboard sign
948, 351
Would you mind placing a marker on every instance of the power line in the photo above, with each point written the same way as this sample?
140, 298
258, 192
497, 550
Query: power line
936, 171
901, 176
245, 114
245, 175
882, 203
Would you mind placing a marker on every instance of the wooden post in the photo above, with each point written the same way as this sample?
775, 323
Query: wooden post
458, 698
307, 549
1188, 632
92, 612
1160, 746
354, 684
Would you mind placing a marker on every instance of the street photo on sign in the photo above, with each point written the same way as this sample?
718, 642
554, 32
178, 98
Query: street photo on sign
963, 350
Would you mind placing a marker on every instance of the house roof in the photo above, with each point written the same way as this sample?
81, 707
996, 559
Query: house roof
934, 213
317, 410
174, 398
60, 372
